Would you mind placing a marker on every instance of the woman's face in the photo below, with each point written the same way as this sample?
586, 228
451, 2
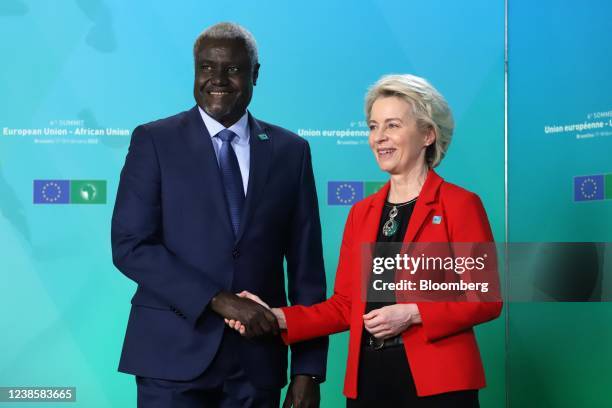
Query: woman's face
397, 143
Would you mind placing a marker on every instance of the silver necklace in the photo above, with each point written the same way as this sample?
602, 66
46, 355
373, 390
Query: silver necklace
391, 226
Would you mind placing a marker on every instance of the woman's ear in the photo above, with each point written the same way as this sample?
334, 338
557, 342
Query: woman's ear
430, 137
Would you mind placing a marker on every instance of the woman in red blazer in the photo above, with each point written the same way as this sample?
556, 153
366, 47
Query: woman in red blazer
403, 354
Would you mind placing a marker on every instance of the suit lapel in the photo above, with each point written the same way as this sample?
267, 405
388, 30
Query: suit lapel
260, 147
205, 163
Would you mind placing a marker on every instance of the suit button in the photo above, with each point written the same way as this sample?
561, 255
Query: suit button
235, 253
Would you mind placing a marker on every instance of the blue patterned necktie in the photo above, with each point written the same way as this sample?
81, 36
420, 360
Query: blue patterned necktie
232, 178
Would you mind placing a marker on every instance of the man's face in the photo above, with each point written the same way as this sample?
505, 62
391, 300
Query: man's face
224, 79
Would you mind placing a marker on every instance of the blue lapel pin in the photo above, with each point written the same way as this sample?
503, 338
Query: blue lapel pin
437, 219
262, 136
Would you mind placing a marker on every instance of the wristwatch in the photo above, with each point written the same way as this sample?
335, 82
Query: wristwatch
315, 378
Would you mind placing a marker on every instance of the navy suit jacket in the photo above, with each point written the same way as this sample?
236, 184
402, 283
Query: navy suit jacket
172, 235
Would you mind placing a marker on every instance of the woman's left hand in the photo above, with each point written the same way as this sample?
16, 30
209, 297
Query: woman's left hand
389, 321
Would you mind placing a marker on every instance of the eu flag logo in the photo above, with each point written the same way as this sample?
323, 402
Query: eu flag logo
344, 192
51, 191
589, 188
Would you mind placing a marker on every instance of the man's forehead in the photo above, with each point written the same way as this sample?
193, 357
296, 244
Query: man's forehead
227, 46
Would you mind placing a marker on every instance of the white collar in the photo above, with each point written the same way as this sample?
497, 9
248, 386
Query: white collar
240, 128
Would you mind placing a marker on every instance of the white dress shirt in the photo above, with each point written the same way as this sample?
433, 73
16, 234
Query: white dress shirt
240, 142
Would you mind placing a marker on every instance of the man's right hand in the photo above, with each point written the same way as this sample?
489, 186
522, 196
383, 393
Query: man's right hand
278, 313
258, 320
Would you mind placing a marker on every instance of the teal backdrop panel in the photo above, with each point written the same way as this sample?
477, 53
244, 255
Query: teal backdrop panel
559, 149
78, 76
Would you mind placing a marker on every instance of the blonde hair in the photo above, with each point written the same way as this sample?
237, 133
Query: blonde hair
429, 108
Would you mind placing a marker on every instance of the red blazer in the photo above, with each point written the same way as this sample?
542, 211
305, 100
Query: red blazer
442, 351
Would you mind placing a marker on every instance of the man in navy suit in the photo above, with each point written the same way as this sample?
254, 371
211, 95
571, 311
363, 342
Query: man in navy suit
211, 202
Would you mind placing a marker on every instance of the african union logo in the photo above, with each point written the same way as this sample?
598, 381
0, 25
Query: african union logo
349, 192
88, 192
593, 188
69, 191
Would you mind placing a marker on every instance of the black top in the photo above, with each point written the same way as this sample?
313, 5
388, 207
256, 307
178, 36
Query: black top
404, 211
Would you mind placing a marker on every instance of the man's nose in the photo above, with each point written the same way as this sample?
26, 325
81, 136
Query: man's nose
219, 77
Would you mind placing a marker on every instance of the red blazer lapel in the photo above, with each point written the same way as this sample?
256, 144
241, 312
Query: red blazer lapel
372, 216
424, 205
371, 221
367, 237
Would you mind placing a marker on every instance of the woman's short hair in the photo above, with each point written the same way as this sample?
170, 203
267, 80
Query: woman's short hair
229, 31
429, 108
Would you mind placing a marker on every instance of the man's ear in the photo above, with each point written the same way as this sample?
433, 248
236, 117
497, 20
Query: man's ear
256, 73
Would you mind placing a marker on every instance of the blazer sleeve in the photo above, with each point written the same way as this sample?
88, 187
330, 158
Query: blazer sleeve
332, 315
136, 238
442, 319
305, 268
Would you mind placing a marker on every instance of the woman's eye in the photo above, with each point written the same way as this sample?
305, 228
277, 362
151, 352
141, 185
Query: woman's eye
205, 67
393, 125
232, 70
372, 127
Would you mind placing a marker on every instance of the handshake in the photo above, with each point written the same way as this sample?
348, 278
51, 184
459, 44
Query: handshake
252, 317
248, 314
